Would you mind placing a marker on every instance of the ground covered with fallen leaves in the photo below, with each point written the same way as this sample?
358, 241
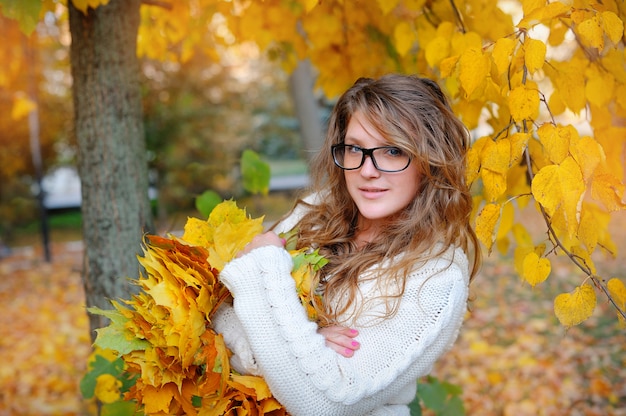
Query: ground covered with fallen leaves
512, 357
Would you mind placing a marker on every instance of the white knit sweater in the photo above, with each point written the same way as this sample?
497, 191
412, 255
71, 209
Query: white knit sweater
269, 333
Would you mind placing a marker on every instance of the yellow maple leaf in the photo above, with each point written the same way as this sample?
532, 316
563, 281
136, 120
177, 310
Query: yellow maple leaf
256, 384
524, 103
107, 388
198, 232
535, 269
534, 54
573, 308
157, 399
486, 223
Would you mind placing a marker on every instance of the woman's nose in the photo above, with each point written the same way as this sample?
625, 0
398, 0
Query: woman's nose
369, 169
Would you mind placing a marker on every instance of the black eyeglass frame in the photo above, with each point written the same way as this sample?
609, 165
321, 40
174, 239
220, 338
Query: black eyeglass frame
365, 152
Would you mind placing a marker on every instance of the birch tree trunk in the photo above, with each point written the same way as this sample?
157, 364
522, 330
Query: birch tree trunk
112, 158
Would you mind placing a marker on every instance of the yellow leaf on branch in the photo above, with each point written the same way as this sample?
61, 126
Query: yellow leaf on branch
524, 103
569, 81
534, 54
556, 140
496, 155
617, 290
533, 14
494, 184
609, 190
518, 141
561, 187
612, 25
588, 154
474, 159
529, 6
535, 269
573, 308
473, 69
502, 52
600, 86
437, 50
486, 223
591, 33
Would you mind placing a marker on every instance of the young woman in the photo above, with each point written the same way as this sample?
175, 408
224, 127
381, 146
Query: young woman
389, 209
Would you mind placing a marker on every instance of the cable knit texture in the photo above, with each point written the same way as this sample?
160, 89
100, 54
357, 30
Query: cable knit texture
270, 334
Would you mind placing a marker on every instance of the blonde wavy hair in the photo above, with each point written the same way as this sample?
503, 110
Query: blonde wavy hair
413, 114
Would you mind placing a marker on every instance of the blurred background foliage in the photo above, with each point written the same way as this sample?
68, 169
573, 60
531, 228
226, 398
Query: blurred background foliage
198, 117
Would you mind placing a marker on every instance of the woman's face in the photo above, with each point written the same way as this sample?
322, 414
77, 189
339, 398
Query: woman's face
378, 195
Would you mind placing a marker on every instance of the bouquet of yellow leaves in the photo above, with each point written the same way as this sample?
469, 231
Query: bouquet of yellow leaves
167, 360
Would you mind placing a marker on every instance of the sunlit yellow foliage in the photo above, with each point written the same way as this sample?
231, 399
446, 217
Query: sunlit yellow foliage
573, 308
545, 70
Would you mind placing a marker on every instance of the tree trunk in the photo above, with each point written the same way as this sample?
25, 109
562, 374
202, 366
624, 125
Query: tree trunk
111, 148
307, 110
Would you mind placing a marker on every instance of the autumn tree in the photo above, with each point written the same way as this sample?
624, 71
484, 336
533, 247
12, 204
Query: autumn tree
112, 154
540, 84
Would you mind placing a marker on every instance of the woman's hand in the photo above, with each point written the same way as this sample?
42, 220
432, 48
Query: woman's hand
341, 339
266, 239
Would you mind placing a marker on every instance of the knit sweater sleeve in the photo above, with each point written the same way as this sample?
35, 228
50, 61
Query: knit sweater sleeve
309, 378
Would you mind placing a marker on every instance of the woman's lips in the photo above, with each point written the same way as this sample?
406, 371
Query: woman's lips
372, 192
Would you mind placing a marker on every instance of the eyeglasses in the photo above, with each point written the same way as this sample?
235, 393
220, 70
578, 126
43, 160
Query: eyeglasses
384, 158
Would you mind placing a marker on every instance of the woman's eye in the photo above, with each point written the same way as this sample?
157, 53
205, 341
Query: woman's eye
394, 151
353, 149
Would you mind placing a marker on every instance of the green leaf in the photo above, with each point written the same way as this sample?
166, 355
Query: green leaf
196, 401
121, 408
207, 201
441, 397
26, 12
100, 366
115, 336
255, 173
433, 394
